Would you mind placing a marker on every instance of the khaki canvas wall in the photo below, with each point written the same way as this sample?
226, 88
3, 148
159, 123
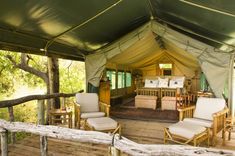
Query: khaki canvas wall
139, 50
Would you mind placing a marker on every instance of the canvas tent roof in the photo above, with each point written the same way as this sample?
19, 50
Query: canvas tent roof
77, 28
93, 30
146, 53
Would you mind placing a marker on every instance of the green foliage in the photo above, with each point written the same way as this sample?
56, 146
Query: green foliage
26, 112
72, 79
4, 113
9, 75
6, 75
72, 76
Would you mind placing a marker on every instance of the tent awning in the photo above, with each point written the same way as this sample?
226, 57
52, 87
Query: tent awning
73, 29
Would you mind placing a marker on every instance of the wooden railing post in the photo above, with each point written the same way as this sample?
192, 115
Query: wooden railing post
4, 145
41, 112
12, 119
41, 121
43, 145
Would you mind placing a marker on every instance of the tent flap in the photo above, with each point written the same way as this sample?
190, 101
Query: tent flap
214, 63
95, 63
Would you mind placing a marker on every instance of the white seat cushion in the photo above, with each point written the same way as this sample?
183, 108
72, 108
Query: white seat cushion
103, 123
186, 129
201, 122
89, 102
92, 115
206, 107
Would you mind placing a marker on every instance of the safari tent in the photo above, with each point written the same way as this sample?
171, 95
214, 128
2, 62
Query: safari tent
128, 35
132, 35
124, 43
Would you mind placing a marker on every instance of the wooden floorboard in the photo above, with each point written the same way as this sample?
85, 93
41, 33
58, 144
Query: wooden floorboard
144, 132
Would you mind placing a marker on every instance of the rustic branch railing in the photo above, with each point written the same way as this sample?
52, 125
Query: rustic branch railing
122, 143
10, 103
41, 110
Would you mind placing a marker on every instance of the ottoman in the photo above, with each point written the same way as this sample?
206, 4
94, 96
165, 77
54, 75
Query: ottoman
105, 124
168, 103
184, 132
144, 101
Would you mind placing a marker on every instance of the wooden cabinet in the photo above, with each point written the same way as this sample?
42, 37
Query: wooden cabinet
104, 92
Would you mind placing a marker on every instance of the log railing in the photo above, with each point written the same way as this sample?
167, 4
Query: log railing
41, 110
115, 141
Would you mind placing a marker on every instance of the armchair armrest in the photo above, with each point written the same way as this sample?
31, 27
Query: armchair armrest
222, 112
186, 112
219, 120
105, 107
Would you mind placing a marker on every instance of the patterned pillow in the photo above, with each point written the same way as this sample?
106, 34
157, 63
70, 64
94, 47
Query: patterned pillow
177, 82
150, 83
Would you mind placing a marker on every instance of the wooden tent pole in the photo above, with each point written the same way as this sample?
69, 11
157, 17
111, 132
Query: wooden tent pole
231, 103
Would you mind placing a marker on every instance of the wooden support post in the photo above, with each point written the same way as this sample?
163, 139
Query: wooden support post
43, 145
4, 145
41, 113
41, 121
12, 119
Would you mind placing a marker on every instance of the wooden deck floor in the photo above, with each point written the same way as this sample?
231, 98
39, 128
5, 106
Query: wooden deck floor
146, 132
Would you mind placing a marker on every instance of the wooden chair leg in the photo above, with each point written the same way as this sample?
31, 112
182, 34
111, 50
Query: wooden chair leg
70, 120
165, 135
78, 124
223, 136
195, 142
229, 135
208, 137
120, 130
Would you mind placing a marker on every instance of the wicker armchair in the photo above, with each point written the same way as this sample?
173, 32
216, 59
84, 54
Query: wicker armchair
209, 113
87, 105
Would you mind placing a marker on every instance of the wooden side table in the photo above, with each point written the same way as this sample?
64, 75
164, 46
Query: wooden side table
61, 116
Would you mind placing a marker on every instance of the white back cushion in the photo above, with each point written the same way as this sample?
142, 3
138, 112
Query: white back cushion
163, 83
89, 102
150, 83
205, 107
177, 82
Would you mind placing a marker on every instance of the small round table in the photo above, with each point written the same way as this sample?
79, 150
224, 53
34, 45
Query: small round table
60, 116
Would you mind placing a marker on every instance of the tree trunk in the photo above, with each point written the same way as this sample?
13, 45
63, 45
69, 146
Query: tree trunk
53, 73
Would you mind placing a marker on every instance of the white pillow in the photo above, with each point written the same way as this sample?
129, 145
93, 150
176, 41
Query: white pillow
150, 83
163, 83
177, 82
